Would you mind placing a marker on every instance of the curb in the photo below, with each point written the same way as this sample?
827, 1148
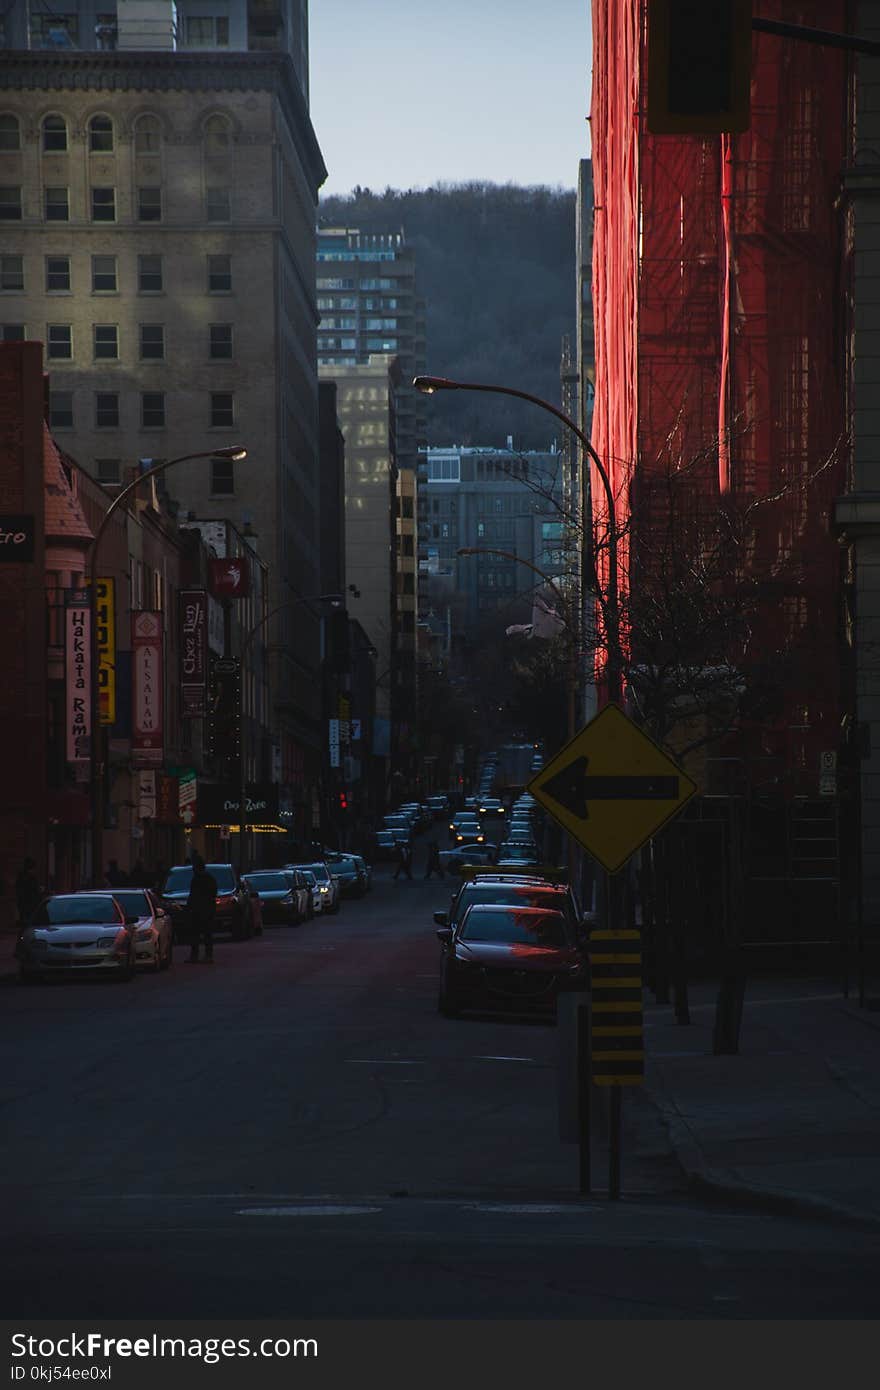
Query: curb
704, 1181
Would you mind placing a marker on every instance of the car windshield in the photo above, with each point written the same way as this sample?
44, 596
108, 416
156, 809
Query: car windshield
321, 872
133, 901
62, 912
515, 928
498, 894
269, 883
179, 879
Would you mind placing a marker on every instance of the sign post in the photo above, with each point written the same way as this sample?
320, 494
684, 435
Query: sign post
612, 788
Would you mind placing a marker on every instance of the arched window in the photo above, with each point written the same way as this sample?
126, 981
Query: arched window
218, 136
54, 135
10, 136
100, 135
147, 135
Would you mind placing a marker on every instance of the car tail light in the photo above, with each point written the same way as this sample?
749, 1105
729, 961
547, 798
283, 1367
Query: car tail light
224, 899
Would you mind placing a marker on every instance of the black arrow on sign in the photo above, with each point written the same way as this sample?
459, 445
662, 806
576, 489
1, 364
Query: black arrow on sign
573, 789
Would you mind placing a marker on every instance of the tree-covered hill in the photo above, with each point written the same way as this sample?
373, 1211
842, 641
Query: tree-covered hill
496, 267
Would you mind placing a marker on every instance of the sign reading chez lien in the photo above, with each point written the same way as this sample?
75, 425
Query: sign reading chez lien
219, 805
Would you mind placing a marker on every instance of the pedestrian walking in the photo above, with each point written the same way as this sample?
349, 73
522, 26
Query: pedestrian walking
27, 890
403, 861
202, 909
435, 864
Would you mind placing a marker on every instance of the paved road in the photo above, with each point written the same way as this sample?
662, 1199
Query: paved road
297, 1131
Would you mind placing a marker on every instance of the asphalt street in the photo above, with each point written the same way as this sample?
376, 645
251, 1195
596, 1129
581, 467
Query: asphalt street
297, 1131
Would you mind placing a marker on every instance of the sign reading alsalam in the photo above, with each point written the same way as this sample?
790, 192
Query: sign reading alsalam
147, 682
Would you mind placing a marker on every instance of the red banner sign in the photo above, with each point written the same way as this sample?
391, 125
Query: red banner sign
147, 748
230, 578
193, 653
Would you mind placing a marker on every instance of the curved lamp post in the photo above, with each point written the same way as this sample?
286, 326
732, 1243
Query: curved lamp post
335, 601
609, 601
96, 799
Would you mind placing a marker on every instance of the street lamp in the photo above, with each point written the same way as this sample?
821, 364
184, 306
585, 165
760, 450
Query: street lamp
608, 602
335, 602
96, 800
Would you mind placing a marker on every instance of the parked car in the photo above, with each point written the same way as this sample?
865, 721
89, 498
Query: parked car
365, 869
328, 884
233, 905
284, 896
438, 804
77, 933
153, 929
314, 887
352, 878
508, 957
384, 846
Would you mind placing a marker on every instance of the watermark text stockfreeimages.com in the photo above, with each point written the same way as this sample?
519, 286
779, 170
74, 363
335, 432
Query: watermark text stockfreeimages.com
95, 1346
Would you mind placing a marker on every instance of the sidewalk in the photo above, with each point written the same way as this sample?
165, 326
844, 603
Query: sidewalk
790, 1123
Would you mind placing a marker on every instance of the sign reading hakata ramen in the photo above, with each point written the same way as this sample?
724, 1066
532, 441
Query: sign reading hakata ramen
78, 677
147, 682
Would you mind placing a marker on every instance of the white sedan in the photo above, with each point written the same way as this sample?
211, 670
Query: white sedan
153, 930
468, 854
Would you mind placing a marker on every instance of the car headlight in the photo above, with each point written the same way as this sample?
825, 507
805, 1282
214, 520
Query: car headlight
324, 888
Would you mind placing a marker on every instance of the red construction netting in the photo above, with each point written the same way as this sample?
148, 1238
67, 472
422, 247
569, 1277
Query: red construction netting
720, 327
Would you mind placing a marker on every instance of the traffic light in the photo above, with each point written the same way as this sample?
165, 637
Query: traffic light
343, 801
699, 66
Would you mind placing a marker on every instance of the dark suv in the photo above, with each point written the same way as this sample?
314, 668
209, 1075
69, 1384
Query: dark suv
233, 903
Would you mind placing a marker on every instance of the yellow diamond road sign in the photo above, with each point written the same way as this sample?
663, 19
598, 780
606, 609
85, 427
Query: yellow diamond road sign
612, 788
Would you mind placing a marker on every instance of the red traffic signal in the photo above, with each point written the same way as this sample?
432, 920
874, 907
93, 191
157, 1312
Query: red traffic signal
699, 66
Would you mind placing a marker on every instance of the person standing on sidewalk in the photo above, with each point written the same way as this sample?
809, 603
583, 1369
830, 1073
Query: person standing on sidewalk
202, 906
434, 864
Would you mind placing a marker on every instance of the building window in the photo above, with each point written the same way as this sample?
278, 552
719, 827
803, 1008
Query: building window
12, 333
104, 275
61, 410
100, 135
207, 32
10, 135
103, 204
109, 471
222, 477
10, 203
219, 274
217, 205
59, 341
107, 410
106, 341
221, 340
221, 409
481, 529
52, 30
153, 409
444, 470
147, 135
152, 341
57, 273
218, 136
57, 205
54, 135
11, 272
149, 204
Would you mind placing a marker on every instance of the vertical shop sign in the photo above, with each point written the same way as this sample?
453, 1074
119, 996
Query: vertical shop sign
78, 672
193, 653
146, 723
106, 631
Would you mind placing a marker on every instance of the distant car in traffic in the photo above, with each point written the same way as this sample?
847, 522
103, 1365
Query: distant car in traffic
77, 933
491, 806
479, 853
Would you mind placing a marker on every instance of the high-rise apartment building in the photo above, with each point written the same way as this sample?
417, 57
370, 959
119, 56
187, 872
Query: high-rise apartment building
158, 207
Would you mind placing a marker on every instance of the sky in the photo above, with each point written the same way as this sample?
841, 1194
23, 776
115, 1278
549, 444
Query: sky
410, 93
